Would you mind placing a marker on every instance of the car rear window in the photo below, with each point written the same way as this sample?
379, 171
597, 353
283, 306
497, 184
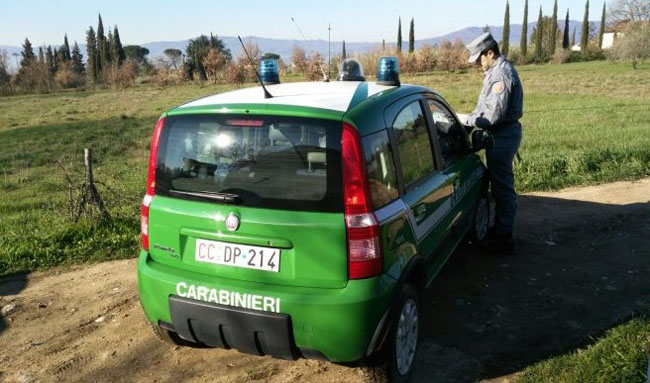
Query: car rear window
265, 161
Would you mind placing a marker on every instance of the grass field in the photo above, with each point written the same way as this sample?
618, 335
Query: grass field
584, 123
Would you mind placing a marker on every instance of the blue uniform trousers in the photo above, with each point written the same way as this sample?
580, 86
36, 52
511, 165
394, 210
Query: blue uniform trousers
502, 180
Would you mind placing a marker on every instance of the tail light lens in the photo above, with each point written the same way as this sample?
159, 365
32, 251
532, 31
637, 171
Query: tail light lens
151, 184
364, 250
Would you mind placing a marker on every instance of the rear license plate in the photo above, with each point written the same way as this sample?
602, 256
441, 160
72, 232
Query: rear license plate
231, 254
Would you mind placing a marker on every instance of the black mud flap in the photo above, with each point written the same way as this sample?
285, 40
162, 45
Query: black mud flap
248, 331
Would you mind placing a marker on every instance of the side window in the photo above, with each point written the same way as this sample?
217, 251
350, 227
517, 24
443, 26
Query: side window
381, 169
449, 132
413, 143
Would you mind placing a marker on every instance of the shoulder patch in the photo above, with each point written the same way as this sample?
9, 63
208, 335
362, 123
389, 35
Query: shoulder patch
498, 87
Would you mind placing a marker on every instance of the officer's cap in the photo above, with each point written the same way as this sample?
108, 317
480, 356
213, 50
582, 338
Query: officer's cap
480, 44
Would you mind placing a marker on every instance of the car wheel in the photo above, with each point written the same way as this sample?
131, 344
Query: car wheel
481, 220
402, 342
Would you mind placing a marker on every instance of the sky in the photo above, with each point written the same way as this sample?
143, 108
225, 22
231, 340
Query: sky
44, 22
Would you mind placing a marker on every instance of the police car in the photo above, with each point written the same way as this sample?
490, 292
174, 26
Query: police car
308, 222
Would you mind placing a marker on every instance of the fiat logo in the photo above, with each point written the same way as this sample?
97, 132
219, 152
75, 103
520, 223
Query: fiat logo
232, 222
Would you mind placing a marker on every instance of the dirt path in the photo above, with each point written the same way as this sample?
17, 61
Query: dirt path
581, 267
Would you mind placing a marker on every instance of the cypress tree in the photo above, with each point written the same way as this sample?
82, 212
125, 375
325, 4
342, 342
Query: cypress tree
77, 59
50, 60
584, 37
553, 29
565, 38
27, 54
505, 42
399, 35
383, 44
539, 37
110, 43
102, 49
573, 37
523, 47
119, 56
601, 33
412, 36
41, 55
65, 48
92, 63
344, 52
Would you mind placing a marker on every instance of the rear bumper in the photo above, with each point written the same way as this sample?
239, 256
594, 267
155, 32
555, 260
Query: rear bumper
341, 325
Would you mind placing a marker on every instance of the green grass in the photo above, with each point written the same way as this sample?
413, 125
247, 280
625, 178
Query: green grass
584, 123
620, 356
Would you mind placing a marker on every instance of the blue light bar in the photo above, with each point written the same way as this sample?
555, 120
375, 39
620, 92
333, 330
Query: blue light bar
269, 72
388, 72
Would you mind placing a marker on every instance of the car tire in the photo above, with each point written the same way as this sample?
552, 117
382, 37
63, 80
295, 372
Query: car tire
172, 338
480, 219
401, 345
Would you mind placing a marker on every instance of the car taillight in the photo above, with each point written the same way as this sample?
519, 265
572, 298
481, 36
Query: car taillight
364, 250
151, 184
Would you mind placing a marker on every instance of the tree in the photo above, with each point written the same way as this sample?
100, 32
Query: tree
299, 59
573, 37
584, 38
632, 44
27, 54
117, 51
629, 10
5, 78
486, 29
565, 37
41, 55
553, 30
523, 47
196, 51
214, 62
65, 48
174, 56
399, 35
505, 42
136, 53
412, 36
77, 60
383, 45
539, 37
601, 33
102, 48
92, 63
50, 60
344, 53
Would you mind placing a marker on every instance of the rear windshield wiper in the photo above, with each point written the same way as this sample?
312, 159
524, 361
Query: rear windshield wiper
221, 197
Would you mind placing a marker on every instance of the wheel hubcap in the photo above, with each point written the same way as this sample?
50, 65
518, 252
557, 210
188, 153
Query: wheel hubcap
482, 219
407, 336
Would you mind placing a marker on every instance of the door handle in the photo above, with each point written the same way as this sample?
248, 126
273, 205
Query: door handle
419, 210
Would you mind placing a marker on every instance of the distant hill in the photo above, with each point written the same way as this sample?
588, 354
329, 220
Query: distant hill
284, 47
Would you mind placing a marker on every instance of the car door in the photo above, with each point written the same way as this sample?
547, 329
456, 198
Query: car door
458, 164
427, 191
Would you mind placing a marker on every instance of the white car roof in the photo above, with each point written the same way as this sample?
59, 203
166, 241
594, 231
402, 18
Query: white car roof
334, 95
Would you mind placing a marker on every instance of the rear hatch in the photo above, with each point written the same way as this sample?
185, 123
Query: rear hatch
254, 198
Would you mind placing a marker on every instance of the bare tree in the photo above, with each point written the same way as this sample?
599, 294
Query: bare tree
628, 10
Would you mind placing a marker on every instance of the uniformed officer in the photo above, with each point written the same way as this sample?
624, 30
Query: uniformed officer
499, 109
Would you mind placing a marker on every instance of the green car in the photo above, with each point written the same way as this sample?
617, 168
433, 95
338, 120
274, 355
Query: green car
308, 224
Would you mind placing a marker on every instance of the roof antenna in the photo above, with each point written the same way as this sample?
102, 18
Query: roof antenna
266, 92
325, 76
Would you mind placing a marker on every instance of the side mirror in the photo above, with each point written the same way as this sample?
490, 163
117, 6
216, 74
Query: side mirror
481, 139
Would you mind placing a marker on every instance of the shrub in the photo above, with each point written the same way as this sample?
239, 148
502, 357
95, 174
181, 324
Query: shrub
67, 78
123, 75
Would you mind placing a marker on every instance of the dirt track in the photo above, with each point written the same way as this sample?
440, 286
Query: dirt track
581, 267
